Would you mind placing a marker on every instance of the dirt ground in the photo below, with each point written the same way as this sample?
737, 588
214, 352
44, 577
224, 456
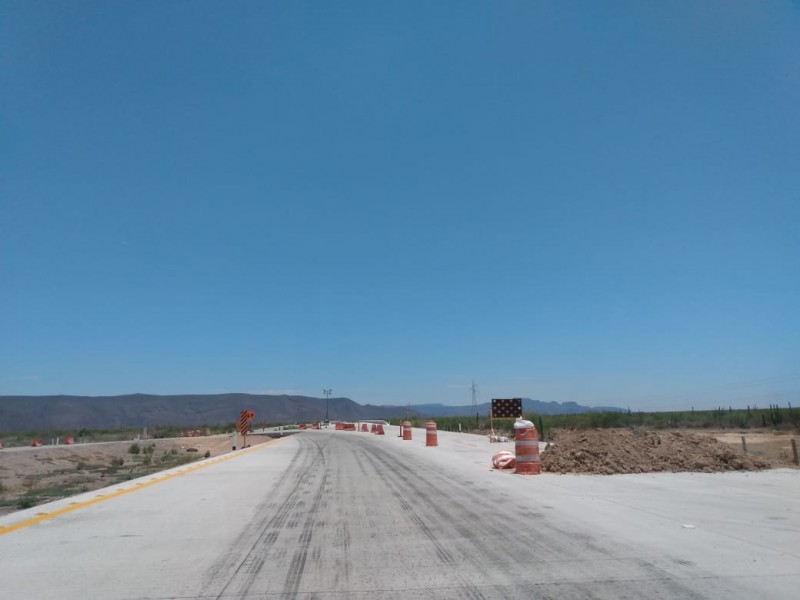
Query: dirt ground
31, 477
609, 451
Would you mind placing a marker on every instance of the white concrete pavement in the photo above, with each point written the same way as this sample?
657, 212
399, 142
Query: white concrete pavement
336, 514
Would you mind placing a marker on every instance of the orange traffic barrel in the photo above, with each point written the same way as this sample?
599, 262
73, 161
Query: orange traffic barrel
431, 437
504, 460
407, 430
526, 445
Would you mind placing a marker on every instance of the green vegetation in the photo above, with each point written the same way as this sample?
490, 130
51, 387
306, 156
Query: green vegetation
76, 475
33, 497
24, 438
730, 418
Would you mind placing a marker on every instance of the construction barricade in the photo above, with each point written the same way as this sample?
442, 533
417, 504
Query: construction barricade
379, 429
364, 428
526, 445
431, 436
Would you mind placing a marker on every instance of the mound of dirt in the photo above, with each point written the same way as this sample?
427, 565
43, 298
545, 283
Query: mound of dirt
609, 451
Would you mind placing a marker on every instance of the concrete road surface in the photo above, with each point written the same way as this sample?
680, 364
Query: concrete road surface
335, 514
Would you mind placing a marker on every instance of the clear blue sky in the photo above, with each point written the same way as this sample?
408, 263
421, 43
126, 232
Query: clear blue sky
570, 201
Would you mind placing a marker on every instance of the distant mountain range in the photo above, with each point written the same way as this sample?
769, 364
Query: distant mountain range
528, 405
42, 413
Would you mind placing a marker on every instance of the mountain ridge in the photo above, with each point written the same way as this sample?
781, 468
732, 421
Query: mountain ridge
28, 413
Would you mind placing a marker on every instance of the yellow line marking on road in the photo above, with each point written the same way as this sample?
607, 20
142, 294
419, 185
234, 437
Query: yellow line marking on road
73, 506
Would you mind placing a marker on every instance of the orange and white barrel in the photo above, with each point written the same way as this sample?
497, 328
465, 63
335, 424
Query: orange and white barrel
406, 430
431, 437
504, 460
526, 445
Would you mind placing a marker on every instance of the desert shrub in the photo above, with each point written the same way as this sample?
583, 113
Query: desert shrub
207, 454
25, 502
134, 448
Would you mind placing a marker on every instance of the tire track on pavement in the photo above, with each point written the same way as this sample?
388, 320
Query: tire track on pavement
526, 547
269, 527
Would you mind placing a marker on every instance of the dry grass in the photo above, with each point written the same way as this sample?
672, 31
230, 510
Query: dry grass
30, 477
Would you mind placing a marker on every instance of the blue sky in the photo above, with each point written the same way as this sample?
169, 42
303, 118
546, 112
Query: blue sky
590, 202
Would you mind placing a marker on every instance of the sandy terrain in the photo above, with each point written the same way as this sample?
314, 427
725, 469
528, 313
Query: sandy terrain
31, 476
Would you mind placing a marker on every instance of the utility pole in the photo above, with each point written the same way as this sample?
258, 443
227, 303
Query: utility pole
474, 389
327, 392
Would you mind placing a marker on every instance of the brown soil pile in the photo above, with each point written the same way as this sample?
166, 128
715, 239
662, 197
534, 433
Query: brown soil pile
609, 451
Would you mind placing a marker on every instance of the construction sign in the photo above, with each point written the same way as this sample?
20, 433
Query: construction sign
506, 408
244, 424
